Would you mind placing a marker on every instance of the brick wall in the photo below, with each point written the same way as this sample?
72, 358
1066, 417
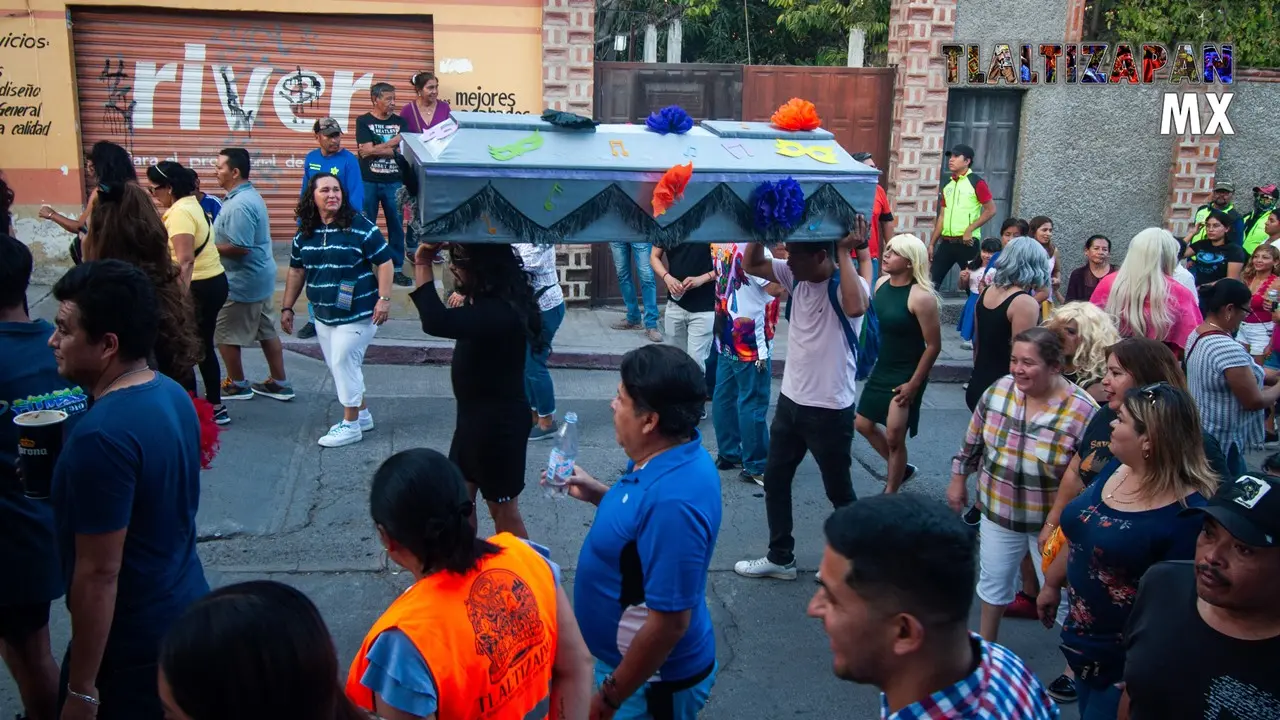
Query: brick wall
1195, 162
568, 72
1075, 20
917, 31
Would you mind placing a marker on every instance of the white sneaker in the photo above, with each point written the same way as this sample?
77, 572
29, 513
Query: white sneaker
966, 345
762, 568
342, 434
365, 420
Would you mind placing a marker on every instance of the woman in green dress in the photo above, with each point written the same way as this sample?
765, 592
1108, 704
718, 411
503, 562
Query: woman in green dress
910, 340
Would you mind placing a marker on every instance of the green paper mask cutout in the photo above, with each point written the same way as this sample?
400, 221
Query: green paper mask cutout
516, 149
821, 153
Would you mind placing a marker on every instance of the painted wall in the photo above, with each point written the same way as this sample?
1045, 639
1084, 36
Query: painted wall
1089, 157
488, 55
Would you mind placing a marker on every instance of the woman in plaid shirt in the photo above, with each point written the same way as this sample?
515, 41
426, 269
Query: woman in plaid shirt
1022, 436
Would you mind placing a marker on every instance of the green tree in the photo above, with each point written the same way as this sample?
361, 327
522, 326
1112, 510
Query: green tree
1252, 28
718, 33
802, 17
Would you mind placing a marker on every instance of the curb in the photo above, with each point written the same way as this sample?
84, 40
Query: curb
943, 371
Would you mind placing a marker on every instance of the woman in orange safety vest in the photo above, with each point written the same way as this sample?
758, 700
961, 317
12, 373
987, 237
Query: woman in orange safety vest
485, 632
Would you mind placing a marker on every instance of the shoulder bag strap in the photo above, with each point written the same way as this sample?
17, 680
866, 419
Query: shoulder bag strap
1201, 337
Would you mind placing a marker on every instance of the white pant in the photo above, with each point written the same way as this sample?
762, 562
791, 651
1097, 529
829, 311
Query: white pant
343, 347
690, 331
1000, 554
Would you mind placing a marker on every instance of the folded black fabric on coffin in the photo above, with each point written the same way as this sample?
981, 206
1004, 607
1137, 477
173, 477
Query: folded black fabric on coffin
569, 120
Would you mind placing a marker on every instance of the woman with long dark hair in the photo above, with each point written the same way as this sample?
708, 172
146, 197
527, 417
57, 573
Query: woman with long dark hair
191, 244
493, 328
1084, 279
107, 164
346, 266
475, 605
1041, 228
252, 651
1218, 255
125, 226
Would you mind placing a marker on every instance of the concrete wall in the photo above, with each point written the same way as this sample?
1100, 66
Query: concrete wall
1251, 157
1086, 156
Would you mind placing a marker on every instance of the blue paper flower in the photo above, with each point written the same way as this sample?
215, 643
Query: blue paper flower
671, 119
778, 205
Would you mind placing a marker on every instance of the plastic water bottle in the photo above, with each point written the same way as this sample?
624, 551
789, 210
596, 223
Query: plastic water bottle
563, 456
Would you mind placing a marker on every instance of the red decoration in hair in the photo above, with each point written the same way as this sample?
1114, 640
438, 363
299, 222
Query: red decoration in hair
209, 432
671, 187
796, 114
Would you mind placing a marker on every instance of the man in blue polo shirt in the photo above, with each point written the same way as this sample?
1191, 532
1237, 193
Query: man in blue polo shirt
330, 158
640, 589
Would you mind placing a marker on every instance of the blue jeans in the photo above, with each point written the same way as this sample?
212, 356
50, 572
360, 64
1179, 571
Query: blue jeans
384, 194
1098, 703
646, 704
624, 254
537, 379
741, 411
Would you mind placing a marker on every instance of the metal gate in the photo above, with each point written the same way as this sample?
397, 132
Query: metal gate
987, 121
183, 85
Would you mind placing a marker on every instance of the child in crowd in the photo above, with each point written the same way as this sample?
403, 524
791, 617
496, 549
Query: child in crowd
978, 275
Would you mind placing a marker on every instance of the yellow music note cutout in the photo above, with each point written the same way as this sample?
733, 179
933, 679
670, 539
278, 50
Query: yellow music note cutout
821, 153
492, 230
617, 147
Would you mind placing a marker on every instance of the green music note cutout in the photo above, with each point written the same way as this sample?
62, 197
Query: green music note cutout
555, 190
516, 149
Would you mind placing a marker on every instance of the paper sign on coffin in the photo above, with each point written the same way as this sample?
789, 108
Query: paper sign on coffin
512, 178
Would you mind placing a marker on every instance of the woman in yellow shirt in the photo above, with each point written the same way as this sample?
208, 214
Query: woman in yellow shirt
191, 245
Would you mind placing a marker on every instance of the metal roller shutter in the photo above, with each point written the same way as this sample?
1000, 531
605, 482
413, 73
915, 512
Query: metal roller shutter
183, 85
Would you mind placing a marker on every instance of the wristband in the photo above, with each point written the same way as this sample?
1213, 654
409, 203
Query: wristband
609, 682
384, 298
91, 700
285, 310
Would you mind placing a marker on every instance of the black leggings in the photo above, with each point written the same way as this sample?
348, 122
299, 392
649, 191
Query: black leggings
209, 295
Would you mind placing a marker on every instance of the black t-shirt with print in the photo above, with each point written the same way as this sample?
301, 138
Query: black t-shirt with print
369, 129
688, 260
1178, 667
1209, 262
1095, 445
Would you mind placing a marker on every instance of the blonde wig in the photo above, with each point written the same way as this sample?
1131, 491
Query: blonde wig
1096, 331
913, 249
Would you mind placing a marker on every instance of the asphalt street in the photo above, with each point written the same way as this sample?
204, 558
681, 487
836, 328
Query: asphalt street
278, 506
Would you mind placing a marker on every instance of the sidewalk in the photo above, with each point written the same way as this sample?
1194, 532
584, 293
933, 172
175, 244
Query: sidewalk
585, 339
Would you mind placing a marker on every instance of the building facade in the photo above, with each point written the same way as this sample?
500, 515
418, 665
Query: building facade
179, 80
1090, 157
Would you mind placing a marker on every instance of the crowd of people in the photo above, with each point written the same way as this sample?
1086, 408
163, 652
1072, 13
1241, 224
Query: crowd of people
1082, 407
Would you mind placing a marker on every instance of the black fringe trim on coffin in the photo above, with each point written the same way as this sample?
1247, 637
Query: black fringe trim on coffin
825, 202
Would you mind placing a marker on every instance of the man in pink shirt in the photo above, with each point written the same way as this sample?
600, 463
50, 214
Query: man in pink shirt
815, 411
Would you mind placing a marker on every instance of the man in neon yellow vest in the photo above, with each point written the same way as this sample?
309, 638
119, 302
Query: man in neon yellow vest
1255, 223
965, 206
1222, 192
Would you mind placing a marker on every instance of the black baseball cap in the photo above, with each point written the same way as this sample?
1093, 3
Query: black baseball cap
963, 151
1249, 508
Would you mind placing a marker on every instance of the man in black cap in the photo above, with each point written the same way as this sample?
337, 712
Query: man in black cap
1255, 223
1203, 640
1223, 191
965, 206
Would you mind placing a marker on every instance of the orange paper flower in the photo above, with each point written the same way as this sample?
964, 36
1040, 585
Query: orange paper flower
796, 114
671, 187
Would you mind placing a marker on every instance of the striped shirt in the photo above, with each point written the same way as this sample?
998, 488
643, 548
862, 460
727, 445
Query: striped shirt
337, 260
1021, 459
1221, 414
1000, 688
